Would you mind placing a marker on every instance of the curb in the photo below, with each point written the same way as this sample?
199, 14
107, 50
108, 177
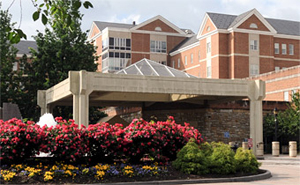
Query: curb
267, 174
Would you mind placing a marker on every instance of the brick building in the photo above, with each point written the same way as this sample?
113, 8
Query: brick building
120, 45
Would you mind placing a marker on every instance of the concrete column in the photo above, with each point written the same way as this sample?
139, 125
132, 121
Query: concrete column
275, 148
256, 95
293, 149
41, 101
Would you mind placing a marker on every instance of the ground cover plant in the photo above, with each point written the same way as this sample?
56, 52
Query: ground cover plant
108, 153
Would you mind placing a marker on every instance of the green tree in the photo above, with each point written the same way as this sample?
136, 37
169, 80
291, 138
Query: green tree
11, 86
60, 50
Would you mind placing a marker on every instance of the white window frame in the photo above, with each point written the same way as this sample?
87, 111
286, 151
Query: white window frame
254, 45
158, 46
291, 49
277, 68
253, 25
286, 95
276, 48
192, 58
283, 49
178, 65
15, 66
254, 69
173, 64
185, 60
199, 55
208, 68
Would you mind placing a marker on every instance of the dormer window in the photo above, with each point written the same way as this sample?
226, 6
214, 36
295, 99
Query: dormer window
253, 25
158, 29
208, 28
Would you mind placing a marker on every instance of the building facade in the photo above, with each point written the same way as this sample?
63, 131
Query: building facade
119, 45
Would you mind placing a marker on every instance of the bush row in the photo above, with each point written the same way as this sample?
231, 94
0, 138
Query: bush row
214, 158
160, 140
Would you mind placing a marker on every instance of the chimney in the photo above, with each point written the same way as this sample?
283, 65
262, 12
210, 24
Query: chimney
133, 23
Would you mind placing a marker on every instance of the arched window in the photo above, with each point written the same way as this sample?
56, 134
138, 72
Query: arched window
158, 28
208, 28
253, 25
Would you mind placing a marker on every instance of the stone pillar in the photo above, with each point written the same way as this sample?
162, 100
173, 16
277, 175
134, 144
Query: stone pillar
293, 149
275, 148
256, 95
41, 101
79, 83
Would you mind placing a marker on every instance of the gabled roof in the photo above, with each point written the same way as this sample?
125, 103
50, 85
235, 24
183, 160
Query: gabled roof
186, 42
147, 67
102, 25
225, 21
24, 45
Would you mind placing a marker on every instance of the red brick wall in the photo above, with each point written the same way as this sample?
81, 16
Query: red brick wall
266, 45
223, 67
223, 43
140, 42
241, 43
266, 65
158, 23
214, 44
253, 19
135, 57
241, 66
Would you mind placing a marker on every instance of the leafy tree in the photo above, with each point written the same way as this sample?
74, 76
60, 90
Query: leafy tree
11, 88
46, 10
60, 50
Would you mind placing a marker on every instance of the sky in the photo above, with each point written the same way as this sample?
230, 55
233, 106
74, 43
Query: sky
186, 14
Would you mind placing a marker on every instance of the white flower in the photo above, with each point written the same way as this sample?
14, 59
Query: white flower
47, 119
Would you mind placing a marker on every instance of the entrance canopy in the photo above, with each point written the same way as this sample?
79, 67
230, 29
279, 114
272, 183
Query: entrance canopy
82, 89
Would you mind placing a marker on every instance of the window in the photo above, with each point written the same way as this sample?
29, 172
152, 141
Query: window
283, 49
15, 66
158, 46
119, 43
254, 69
291, 49
286, 96
208, 28
173, 64
192, 58
163, 62
253, 25
208, 68
199, 55
293, 92
178, 65
276, 48
185, 60
208, 47
253, 45
277, 68
158, 28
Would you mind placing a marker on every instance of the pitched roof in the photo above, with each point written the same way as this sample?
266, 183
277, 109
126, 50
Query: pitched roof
147, 67
186, 42
24, 45
225, 21
102, 25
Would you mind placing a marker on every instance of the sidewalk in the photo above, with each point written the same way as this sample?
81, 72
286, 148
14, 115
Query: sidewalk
282, 159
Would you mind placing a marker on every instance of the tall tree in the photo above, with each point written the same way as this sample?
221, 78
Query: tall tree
61, 49
11, 87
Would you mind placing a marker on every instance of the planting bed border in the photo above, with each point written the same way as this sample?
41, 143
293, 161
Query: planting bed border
265, 175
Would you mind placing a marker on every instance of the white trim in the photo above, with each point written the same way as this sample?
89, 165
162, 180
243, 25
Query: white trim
169, 71
288, 59
159, 17
283, 78
185, 48
142, 52
283, 90
195, 66
259, 16
94, 37
202, 26
21, 55
240, 30
92, 27
116, 29
161, 33
138, 69
287, 36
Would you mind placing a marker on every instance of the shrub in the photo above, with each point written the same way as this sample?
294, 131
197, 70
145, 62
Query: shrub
66, 141
106, 141
19, 140
246, 161
222, 159
191, 160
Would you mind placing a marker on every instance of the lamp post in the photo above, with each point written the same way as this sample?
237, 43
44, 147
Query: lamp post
276, 122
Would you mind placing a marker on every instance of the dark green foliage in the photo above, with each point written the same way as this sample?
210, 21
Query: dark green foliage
191, 160
246, 161
11, 86
222, 159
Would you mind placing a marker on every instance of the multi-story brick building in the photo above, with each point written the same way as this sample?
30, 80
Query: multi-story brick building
120, 45
239, 46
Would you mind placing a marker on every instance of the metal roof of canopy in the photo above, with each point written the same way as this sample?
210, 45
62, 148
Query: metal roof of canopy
147, 67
